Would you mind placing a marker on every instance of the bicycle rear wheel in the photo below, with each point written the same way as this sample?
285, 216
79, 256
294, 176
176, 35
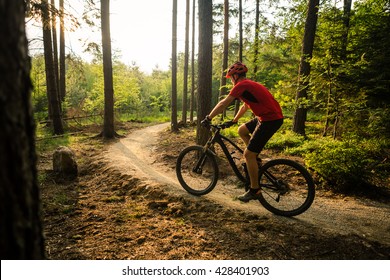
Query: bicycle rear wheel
287, 187
197, 171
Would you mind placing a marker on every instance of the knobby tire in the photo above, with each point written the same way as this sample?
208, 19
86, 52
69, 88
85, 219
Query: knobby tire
298, 192
197, 183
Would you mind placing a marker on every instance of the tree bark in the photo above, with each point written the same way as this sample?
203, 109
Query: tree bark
205, 58
62, 78
186, 51
346, 20
55, 48
108, 127
256, 43
51, 83
192, 99
223, 90
21, 234
237, 102
304, 67
174, 126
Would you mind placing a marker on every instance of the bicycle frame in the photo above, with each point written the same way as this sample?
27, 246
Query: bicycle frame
279, 194
220, 140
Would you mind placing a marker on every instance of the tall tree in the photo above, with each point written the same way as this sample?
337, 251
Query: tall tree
174, 68
53, 14
241, 46
186, 55
108, 127
346, 20
62, 80
205, 58
192, 99
223, 91
51, 84
256, 42
21, 234
304, 67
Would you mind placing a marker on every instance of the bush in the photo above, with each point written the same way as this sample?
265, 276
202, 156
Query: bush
346, 165
282, 140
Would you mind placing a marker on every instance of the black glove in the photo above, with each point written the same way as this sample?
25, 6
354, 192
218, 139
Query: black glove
206, 122
228, 124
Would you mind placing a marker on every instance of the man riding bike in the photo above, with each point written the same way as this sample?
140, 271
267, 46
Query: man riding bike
255, 133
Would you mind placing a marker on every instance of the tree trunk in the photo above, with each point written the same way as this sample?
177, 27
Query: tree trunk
174, 126
304, 68
21, 234
192, 100
223, 90
205, 58
55, 48
108, 127
50, 71
328, 104
186, 51
237, 103
256, 43
62, 79
346, 19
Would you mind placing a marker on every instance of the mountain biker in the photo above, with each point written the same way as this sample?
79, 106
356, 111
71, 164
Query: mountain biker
255, 133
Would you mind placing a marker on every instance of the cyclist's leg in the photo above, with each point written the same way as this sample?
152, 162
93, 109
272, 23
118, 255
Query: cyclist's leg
245, 130
263, 132
260, 137
252, 166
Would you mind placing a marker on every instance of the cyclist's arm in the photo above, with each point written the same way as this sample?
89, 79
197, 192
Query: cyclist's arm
218, 109
241, 112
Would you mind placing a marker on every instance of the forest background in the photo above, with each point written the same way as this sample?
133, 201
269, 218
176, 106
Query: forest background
346, 137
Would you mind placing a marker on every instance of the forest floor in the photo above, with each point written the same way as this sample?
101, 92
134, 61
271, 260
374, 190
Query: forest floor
126, 204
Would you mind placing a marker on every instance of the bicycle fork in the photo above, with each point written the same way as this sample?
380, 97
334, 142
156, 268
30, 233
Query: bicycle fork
198, 168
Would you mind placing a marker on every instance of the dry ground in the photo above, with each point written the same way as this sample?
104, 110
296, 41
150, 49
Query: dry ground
107, 213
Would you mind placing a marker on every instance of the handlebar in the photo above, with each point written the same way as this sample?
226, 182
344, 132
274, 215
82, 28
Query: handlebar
219, 126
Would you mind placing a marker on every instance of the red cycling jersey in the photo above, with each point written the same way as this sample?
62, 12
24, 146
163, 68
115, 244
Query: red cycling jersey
258, 99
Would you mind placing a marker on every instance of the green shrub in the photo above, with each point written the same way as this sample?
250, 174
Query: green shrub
282, 140
345, 165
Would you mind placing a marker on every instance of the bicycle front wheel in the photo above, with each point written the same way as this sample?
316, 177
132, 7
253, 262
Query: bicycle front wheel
196, 170
287, 187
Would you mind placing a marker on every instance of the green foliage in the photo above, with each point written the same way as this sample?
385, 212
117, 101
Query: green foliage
283, 140
46, 142
346, 165
38, 78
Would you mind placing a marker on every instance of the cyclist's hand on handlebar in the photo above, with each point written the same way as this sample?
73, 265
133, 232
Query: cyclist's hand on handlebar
228, 124
206, 122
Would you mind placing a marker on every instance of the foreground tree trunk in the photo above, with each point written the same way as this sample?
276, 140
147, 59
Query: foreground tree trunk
21, 234
51, 81
108, 127
204, 66
304, 68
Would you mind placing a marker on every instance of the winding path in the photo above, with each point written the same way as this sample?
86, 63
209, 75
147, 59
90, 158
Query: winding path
134, 155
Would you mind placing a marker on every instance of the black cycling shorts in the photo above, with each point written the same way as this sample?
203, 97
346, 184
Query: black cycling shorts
261, 133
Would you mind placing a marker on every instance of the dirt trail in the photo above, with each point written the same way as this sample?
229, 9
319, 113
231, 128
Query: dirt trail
135, 155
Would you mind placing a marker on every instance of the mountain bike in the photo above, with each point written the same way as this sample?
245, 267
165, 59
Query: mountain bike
287, 188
